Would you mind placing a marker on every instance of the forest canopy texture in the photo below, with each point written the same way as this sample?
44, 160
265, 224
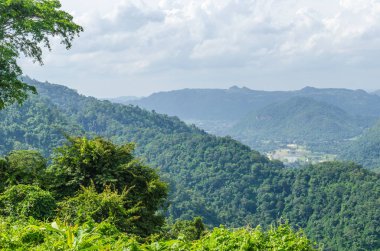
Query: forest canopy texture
219, 179
98, 196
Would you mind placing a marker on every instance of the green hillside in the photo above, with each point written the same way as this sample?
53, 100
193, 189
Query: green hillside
217, 178
298, 120
365, 149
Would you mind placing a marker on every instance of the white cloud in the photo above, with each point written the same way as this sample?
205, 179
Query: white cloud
137, 38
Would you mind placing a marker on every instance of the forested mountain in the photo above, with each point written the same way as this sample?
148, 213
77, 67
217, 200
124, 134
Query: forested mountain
217, 178
204, 104
364, 149
230, 112
298, 120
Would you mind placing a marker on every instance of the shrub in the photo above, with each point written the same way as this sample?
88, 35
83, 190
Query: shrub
187, 230
89, 205
27, 201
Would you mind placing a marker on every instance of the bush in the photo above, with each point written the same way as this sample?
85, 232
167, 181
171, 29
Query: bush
93, 236
187, 230
27, 201
89, 205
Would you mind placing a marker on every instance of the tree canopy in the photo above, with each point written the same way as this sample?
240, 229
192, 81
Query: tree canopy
89, 178
25, 28
218, 179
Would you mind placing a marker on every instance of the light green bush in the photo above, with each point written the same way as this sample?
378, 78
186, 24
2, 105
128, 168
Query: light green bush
27, 201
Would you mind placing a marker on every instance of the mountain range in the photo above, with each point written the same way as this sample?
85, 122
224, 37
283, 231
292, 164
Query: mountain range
338, 115
217, 178
234, 103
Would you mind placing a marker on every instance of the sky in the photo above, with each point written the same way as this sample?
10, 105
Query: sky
137, 47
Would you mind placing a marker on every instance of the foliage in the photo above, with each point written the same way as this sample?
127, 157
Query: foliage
82, 161
364, 149
188, 230
276, 238
93, 236
12, 89
219, 179
106, 206
25, 26
37, 124
24, 167
4, 166
339, 200
133, 206
27, 201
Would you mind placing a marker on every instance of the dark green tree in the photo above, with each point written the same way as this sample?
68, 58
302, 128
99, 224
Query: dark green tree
187, 229
25, 27
82, 162
25, 167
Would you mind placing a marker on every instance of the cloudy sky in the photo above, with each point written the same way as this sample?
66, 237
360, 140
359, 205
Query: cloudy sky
136, 47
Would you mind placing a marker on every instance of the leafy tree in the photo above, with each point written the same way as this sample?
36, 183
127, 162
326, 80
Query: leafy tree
83, 161
26, 26
25, 167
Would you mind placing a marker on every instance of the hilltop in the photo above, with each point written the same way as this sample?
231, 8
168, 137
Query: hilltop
300, 120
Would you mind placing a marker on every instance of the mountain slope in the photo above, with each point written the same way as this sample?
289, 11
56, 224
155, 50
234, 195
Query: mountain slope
218, 178
38, 124
297, 120
186, 155
365, 149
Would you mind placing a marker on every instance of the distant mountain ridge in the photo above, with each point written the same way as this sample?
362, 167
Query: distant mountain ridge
235, 102
220, 111
122, 99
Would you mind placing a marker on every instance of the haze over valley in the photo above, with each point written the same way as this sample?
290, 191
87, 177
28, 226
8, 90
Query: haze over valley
307, 125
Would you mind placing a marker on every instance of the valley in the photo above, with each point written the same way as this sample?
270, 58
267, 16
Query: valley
217, 178
293, 155
323, 122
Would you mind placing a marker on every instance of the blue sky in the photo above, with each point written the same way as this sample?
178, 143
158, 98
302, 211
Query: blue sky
138, 47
